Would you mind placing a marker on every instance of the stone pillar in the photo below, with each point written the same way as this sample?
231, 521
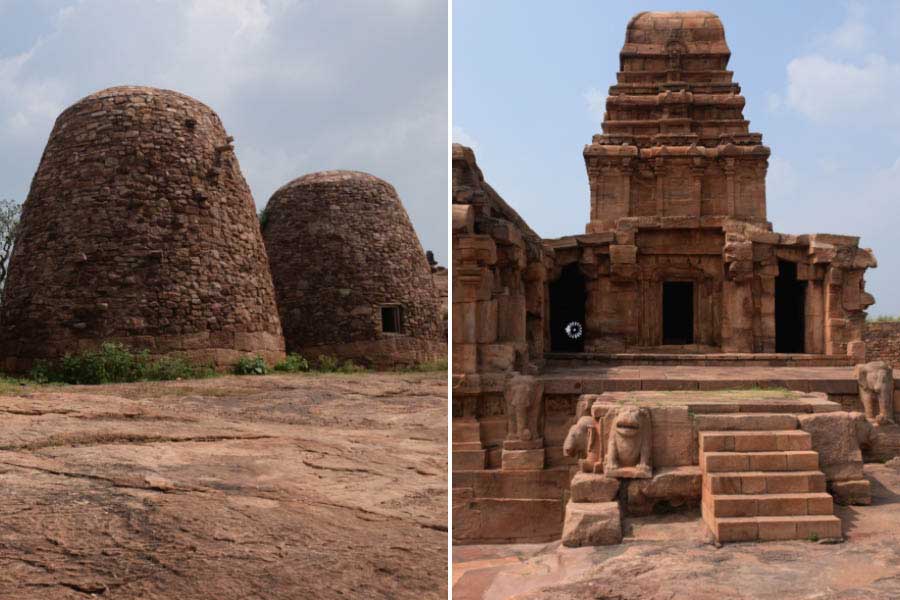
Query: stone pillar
730, 187
472, 306
814, 312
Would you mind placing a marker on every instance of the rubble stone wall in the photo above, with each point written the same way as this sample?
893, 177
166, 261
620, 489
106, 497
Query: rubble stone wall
139, 228
883, 341
341, 247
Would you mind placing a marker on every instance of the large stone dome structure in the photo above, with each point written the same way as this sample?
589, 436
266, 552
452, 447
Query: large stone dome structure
350, 275
139, 228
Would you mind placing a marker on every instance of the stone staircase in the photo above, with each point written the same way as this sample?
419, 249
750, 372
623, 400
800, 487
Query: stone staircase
761, 480
468, 452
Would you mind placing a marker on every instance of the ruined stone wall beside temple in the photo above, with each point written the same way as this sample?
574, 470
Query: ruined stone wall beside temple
883, 341
499, 311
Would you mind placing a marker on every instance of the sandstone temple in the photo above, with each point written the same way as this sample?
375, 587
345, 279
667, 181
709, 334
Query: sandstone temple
139, 228
679, 352
350, 275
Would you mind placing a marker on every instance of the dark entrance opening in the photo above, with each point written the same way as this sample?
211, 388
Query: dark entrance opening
678, 312
790, 297
390, 319
567, 300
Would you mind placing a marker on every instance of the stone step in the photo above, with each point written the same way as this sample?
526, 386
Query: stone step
764, 482
788, 460
469, 460
745, 422
467, 446
466, 430
769, 505
748, 529
754, 441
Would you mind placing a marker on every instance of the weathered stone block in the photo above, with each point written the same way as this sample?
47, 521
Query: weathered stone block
592, 524
619, 254
836, 436
590, 487
521, 460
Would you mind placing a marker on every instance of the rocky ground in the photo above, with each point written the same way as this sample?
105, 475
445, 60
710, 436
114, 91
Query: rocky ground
670, 558
283, 486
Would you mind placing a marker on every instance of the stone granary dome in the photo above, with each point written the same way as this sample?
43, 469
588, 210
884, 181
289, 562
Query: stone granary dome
350, 275
139, 228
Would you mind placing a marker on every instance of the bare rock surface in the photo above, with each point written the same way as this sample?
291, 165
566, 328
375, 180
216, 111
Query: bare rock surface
669, 557
285, 486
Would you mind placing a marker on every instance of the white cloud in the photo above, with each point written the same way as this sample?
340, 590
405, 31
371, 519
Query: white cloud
854, 33
461, 136
596, 102
823, 89
302, 86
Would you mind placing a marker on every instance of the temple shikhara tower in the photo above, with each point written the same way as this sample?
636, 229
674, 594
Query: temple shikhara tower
678, 251
678, 272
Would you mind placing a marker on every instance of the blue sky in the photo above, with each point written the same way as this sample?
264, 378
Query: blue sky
821, 79
302, 85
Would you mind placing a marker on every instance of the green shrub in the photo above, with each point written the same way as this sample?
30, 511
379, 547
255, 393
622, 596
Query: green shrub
251, 365
348, 366
171, 367
115, 363
327, 363
293, 363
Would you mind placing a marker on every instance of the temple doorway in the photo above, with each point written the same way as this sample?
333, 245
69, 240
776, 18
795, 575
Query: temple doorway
790, 297
567, 300
678, 312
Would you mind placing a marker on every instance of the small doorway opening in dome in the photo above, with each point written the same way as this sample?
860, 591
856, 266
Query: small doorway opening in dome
391, 319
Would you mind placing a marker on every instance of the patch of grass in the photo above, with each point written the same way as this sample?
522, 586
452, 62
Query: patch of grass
10, 386
115, 363
814, 537
883, 319
292, 363
327, 364
348, 366
251, 365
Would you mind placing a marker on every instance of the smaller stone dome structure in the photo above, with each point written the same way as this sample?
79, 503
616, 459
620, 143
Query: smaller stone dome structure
351, 278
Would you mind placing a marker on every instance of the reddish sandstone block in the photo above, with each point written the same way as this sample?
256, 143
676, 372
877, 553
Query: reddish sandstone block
713, 462
754, 442
777, 529
767, 461
754, 483
795, 440
776, 505
818, 527
820, 504
724, 483
802, 460
736, 530
787, 483
734, 506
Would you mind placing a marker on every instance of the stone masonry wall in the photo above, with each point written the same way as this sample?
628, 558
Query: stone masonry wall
341, 246
883, 341
139, 228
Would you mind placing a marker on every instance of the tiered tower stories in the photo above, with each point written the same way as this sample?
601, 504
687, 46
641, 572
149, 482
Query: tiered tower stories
675, 142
